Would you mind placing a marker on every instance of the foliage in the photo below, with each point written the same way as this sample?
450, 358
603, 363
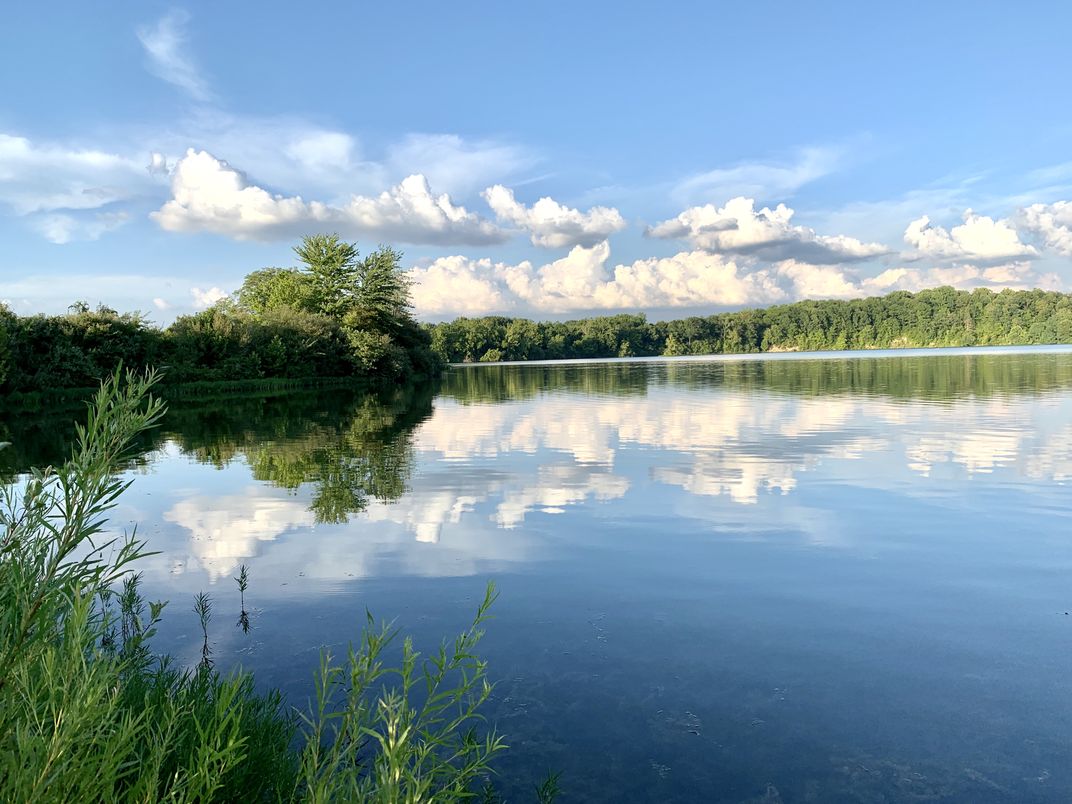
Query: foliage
937, 317
391, 749
88, 713
332, 269
336, 317
273, 288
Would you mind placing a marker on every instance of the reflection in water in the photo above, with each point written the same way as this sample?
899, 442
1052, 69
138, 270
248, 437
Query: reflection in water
839, 579
505, 441
225, 529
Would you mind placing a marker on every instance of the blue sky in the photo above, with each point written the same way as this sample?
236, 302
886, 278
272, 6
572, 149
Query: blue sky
559, 159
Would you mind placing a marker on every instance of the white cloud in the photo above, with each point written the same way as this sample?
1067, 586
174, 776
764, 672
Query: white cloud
206, 298
322, 150
818, 281
584, 280
47, 177
551, 224
165, 44
1012, 275
161, 304
1051, 223
63, 228
290, 152
454, 164
763, 180
410, 213
737, 228
688, 279
211, 196
452, 284
158, 164
52, 293
978, 238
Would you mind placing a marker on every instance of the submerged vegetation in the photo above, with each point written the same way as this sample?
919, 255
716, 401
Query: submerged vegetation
89, 713
337, 316
937, 317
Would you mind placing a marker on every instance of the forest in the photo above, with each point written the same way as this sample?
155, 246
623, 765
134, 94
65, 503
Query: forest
338, 315
937, 317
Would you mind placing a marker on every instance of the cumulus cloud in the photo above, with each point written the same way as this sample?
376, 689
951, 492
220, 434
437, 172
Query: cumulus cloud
208, 195
738, 228
460, 284
551, 224
1013, 275
978, 238
1051, 223
409, 212
161, 304
584, 280
165, 44
206, 298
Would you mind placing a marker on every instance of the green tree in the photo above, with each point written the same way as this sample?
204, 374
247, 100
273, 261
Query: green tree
382, 291
274, 288
333, 267
7, 319
674, 347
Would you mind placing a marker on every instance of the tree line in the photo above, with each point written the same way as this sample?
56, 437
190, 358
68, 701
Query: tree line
937, 317
336, 315
340, 315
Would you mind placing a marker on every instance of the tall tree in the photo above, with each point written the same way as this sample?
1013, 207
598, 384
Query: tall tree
333, 265
383, 288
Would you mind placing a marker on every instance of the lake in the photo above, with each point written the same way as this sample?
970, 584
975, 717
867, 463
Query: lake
796, 578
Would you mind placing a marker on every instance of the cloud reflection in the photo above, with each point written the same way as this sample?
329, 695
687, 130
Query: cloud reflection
482, 469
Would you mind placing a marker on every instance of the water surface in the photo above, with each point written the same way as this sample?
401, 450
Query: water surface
841, 578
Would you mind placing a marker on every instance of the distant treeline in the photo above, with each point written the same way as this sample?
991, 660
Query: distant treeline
938, 317
336, 316
341, 317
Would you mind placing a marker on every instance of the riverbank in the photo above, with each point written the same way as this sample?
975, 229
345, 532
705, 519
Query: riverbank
787, 355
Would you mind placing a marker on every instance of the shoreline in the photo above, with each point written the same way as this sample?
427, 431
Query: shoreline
821, 354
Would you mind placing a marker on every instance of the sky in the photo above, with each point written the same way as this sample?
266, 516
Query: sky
547, 160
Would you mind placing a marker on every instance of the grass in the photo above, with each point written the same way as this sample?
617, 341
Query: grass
88, 712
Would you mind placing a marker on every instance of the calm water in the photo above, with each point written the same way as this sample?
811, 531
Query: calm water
839, 579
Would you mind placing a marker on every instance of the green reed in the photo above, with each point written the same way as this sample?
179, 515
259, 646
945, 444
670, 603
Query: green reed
88, 712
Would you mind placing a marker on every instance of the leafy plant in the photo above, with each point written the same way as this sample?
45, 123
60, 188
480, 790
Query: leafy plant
413, 740
89, 713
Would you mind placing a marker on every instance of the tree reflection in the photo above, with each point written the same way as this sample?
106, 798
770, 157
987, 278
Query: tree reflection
932, 377
349, 447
